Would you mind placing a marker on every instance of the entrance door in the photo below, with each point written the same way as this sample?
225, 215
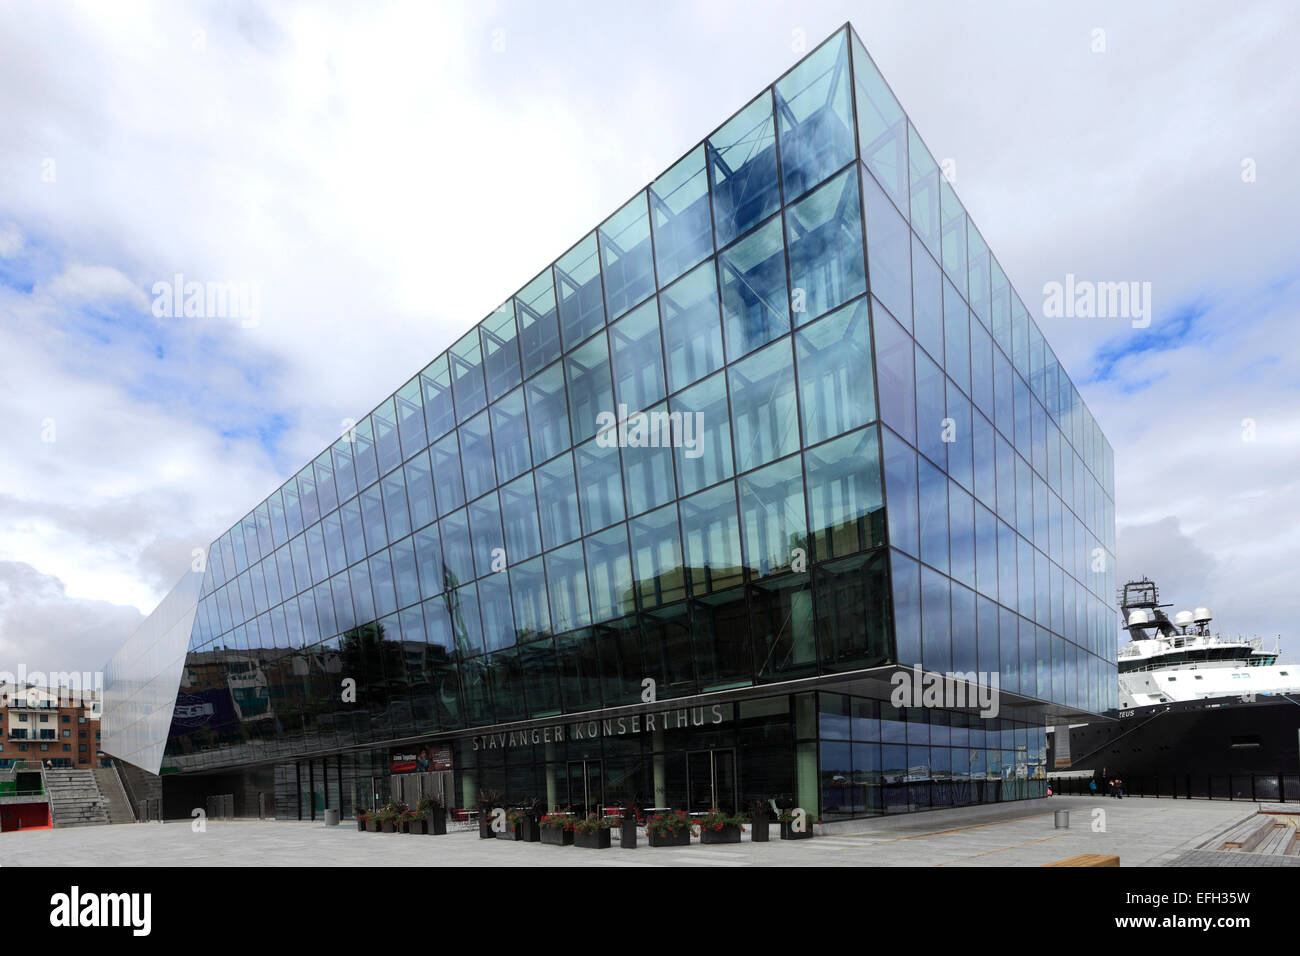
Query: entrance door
586, 786
711, 780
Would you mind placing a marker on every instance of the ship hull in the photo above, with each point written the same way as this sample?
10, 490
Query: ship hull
1190, 745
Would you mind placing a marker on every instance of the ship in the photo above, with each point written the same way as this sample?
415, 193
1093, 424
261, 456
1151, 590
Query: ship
1199, 713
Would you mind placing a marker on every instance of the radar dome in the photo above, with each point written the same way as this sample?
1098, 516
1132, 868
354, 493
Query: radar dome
1202, 615
1138, 618
1183, 618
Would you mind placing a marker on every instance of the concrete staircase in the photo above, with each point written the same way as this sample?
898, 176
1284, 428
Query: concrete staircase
115, 802
75, 800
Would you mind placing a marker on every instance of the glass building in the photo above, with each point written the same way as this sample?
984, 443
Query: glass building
664, 527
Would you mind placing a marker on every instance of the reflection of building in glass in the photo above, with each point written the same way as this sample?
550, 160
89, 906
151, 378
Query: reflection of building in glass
892, 469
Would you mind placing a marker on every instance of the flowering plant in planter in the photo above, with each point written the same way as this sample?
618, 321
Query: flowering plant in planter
562, 821
591, 824
668, 824
592, 832
557, 829
718, 827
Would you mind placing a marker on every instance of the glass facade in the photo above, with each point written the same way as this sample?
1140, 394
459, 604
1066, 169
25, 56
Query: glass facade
781, 417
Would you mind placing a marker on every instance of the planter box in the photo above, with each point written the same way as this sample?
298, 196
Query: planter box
389, 827
372, 826
403, 826
596, 840
627, 831
530, 831
681, 837
557, 836
418, 826
361, 825
515, 832
728, 834
788, 833
485, 830
759, 832
438, 822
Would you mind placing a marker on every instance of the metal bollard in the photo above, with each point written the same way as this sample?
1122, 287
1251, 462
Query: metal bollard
331, 818
1062, 820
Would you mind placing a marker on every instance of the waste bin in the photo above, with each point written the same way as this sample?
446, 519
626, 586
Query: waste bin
1062, 820
332, 818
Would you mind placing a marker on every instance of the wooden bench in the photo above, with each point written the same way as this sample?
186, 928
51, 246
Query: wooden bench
1087, 859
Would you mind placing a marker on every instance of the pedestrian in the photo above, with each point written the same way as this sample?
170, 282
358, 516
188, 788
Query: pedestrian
1092, 787
1119, 789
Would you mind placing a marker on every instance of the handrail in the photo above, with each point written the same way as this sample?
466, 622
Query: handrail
126, 788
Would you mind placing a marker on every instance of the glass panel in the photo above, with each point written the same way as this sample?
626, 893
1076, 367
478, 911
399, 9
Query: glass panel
548, 416
648, 457
510, 436
836, 385
901, 493
711, 538
816, 111
557, 497
764, 415
519, 514
692, 328
566, 576
476, 456
410, 418
889, 248
977, 258
853, 613
577, 283
325, 492
539, 326
600, 484
466, 358
428, 561
845, 506
485, 532
345, 481
824, 236
609, 574
896, 366
755, 300
925, 191
457, 551
528, 595
419, 490
372, 519
936, 622
772, 517
306, 501
496, 613
934, 515
706, 458
657, 557
954, 235
637, 357
931, 410
590, 388
398, 518
626, 255
679, 202
500, 351
882, 127
927, 302
439, 410
743, 170
446, 474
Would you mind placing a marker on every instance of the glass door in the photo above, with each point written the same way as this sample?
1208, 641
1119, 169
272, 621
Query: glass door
586, 786
711, 780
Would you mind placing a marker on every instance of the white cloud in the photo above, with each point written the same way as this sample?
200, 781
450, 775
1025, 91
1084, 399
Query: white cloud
11, 240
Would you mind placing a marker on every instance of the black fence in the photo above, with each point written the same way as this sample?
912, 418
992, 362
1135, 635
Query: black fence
1266, 787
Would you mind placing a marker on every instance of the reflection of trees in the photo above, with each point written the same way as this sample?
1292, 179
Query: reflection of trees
367, 658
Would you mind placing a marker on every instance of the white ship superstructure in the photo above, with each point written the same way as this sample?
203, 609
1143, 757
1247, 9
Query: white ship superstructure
1182, 660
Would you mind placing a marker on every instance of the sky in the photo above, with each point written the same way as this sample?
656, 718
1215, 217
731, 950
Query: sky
386, 174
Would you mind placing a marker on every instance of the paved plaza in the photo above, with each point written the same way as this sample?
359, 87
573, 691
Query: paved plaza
1142, 832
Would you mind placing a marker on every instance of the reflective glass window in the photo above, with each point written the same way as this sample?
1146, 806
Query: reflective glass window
388, 446
600, 484
836, 385
577, 284
755, 300
824, 238
510, 445
815, 107
703, 456
447, 483
901, 493
882, 127
410, 418
845, 507
648, 458
927, 302
626, 256
326, 493
557, 498
398, 519
977, 272
496, 612
657, 557
609, 574
548, 416
476, 461
428, 561
419, 490
485, 531
591, 390
925, 191
439, 409
345, 480
931, 410
457, 549
775, 530
372, 518
953, 240
528, 596
889, 252
711, 539
764, 414
743, 170
466, 358
539, 325
896, 366
405, 576
519, 516
692, 327
566, 577
679, 208
500, 351
637, 357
